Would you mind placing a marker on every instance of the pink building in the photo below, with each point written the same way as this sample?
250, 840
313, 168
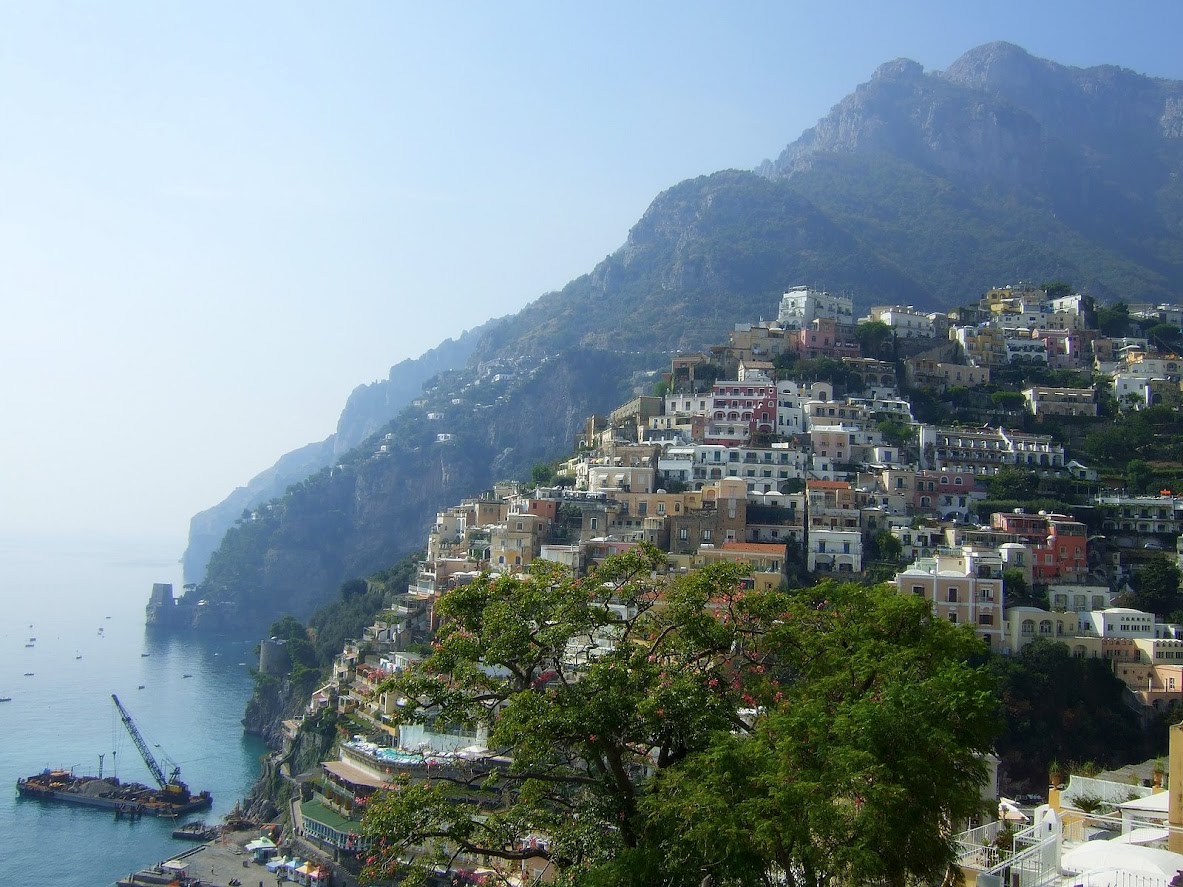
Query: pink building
824, 338
1059, 543
745, 403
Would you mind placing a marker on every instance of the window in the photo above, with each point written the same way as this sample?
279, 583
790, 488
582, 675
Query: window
952, 595
706, 535
953, 616
683, 534
821, 547
594, 523
918, 589
986, 619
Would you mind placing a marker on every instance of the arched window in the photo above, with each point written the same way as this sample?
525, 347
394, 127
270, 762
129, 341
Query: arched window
1028, 627
1045, 626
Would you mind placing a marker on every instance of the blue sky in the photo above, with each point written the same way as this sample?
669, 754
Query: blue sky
219, 218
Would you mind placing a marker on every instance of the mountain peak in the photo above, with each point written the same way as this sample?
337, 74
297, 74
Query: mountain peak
899, 69
997, 64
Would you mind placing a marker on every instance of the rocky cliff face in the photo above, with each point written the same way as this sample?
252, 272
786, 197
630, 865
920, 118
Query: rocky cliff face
367, 512
1005, 167
368, 408
919, 188
272, 702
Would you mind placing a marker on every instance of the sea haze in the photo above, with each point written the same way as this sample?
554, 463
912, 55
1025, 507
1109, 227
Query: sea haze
83, 601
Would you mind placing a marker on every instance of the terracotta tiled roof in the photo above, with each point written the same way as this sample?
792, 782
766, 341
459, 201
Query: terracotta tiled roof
827, 485
754, 547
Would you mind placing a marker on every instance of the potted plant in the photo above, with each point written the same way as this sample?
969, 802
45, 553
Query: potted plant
1054, 772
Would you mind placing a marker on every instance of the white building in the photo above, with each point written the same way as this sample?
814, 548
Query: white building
1029, 350
835, 551
905, 321
1079, 598
1131, 390
1120, 622
688, 404
801, 305
791, 400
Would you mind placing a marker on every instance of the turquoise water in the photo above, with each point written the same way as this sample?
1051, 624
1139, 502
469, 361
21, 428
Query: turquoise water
62, 592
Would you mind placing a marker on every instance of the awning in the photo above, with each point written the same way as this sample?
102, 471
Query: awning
352, 774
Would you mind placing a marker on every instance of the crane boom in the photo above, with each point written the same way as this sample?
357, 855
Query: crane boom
145, 752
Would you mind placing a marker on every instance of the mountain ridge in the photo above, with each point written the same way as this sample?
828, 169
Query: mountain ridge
919, 188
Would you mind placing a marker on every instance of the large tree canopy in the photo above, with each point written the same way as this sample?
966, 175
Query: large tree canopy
644, 730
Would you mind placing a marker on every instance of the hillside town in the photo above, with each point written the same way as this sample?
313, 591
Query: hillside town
798, 450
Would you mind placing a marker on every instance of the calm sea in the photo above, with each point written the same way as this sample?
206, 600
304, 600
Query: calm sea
83, 601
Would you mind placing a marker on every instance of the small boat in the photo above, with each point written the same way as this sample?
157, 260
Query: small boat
30, 645
186, 675
32, 640
140, 687
145, 654
197, 831
5, 699
79, 656
28, 674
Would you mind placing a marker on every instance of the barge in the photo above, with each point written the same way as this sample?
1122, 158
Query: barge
171, 798
124, 798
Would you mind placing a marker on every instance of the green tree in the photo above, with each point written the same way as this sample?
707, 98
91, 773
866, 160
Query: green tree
875, 339
645, 726
1008, 400
1056, 289
885, 547
1015, 587
1114, 320
1156, 587
1061, 707
353, 587
297, 644
1139, 476
1013, 483
895, 432
542, 474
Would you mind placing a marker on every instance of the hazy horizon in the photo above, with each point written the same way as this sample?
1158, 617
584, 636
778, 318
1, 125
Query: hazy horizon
221, 219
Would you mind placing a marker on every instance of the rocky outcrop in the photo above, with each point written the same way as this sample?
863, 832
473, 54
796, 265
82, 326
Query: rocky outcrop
274, 701
368, 408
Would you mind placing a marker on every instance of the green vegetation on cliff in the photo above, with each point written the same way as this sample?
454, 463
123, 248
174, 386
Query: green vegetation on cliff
376, 504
